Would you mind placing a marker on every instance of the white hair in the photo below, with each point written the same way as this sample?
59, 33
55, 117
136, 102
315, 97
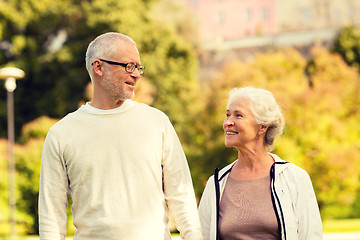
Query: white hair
103, 47
265, 109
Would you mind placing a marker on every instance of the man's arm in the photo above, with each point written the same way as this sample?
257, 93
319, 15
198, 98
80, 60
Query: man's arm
178, 187
53, 192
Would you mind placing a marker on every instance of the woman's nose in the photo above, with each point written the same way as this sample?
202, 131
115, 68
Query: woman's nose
228, 122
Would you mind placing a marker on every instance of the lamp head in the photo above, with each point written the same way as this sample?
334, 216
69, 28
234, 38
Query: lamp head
11, 72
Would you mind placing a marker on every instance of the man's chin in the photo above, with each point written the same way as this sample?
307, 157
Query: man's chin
127, 96
130, 96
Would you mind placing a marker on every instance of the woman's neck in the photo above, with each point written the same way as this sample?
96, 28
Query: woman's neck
252, 165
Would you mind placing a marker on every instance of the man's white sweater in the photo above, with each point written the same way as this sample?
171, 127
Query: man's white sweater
120, 167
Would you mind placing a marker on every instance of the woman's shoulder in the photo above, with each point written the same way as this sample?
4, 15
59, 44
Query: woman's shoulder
225, 170
221, 173
283, 166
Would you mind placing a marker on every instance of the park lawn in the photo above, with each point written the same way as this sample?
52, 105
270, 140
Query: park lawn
341, 225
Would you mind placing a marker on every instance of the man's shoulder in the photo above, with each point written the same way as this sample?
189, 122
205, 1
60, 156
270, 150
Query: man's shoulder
66, 120
149, 109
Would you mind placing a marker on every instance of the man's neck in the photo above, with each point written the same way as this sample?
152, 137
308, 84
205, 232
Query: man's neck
106, 105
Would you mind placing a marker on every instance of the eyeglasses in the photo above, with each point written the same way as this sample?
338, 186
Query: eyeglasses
129, 67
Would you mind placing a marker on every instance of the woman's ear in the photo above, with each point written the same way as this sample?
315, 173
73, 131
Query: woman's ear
263, 129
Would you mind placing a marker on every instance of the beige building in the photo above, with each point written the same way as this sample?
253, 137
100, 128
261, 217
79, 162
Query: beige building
249, 24
305, 15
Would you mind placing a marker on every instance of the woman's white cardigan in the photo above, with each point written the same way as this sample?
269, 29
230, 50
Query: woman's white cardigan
293, 195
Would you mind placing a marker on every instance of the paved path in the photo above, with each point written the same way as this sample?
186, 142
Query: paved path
342, 236
327, 236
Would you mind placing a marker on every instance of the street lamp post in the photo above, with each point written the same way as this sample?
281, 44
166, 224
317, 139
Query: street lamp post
10, 74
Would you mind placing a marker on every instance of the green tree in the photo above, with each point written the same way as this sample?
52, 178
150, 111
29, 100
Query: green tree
320, 102
28, 161
4, 196
330, 146
347, 44
27, 158
48, 41
269, 70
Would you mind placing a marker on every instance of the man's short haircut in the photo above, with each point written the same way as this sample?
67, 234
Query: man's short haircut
103, 47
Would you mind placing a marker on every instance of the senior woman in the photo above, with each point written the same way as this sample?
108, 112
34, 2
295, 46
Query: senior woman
258, 196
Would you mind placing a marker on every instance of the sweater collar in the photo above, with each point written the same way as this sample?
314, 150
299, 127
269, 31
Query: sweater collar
92, 110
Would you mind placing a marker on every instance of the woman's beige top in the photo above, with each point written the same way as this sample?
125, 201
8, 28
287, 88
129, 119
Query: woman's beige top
246, 211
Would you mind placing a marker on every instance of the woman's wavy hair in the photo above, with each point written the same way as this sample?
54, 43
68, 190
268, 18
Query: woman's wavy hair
265, 109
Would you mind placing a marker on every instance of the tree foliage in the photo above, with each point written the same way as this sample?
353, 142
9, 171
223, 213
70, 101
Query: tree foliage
319, 97
48, 41
347, 44
4, 196
27, 158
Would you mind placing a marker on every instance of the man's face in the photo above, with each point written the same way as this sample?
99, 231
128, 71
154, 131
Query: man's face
116, 82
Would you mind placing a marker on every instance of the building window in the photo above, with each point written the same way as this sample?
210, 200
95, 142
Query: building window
248, 14
335, 14
219, 18
352, 14
306, 14
265, 13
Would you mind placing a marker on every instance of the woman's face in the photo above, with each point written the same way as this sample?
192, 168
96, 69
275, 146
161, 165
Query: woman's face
240, 127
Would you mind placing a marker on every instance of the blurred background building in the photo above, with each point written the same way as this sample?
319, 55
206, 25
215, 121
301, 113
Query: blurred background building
231, 21
239, 29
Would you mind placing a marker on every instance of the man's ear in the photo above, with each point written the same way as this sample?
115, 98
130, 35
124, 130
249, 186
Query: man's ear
97, 67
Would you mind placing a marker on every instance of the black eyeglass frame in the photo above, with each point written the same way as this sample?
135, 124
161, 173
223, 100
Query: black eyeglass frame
140, 68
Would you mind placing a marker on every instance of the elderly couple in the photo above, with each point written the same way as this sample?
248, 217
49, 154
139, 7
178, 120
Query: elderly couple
123, 166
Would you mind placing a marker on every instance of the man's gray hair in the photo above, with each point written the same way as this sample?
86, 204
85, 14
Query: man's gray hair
265, 109
103, 47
